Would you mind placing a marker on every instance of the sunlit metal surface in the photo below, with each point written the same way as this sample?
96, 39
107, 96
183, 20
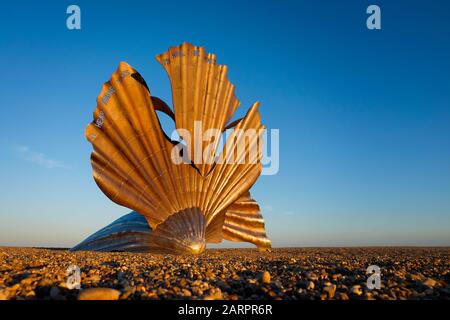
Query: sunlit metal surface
185, 205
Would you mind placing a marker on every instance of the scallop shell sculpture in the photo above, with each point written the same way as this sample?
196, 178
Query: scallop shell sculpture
178, 207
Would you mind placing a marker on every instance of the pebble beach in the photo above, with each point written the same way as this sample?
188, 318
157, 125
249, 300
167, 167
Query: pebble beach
228, 274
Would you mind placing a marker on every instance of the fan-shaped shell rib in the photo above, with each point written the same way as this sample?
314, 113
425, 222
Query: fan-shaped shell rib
200, 92
244, 222
132, 158
182, 232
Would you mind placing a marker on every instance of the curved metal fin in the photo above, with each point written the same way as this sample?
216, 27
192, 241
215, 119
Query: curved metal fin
128, 233
244, 222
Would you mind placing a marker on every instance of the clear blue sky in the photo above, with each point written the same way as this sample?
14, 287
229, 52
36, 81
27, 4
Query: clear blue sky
364, 116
